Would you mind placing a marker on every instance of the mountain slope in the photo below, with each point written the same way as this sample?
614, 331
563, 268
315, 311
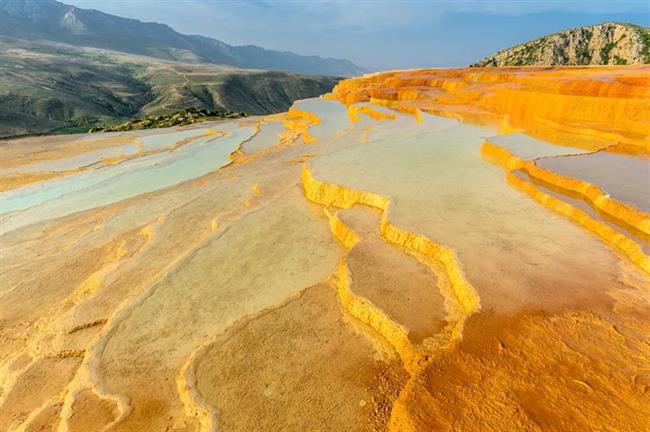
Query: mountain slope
55, 21
47, 86
601, 44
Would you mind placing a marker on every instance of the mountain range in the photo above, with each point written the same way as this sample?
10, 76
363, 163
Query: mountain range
54, 21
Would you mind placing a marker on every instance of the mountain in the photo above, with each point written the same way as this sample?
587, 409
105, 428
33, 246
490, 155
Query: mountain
55, 21
47, 86
601, 44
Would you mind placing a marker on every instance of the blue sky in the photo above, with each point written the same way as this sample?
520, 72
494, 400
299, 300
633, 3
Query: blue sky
378, 34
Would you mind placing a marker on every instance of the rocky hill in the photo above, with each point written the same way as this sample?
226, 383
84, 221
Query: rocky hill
602, 44
55, 21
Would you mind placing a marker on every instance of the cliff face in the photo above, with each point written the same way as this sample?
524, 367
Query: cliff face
602, 44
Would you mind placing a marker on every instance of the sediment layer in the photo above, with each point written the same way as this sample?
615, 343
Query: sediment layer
327, 194
299, 121
591, 193
584, 107
461, 300
354, 112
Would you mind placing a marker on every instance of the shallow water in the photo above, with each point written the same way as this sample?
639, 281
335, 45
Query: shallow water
333, 115
528, 148
71, 194
443, 188
77, 161
625, 178
569, 197
268, 135
155, 142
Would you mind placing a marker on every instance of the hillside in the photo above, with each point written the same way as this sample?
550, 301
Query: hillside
602, 44
46, 86
55, 21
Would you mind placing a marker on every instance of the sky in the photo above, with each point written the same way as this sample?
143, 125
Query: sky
378, 34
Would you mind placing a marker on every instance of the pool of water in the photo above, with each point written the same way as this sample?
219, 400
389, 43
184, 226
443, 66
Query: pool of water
165, 140
110, 184
268, 135
573, 199
443, 188
333, 115
528, 148
625, 177
77, 161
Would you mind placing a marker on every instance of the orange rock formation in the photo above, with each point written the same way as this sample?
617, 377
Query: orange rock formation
586, 107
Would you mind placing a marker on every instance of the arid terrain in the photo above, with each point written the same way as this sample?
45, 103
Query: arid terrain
46, 86
442, 249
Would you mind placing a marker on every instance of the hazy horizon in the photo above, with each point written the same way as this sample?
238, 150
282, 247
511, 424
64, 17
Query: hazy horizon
377, 34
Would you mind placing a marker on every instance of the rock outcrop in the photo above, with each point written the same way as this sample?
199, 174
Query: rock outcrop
602, 44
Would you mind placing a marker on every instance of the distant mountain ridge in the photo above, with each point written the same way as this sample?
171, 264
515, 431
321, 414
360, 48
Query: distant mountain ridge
601, 44
58, 22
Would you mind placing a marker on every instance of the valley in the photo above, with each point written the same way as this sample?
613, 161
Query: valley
47, 87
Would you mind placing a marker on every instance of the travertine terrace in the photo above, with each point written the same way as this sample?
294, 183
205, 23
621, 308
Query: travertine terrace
418, 250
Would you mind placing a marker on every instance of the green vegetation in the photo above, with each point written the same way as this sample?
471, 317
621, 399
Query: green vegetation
73, 130
181, 118
562, 57
528, 53
583, 53
644, 35
606, 51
